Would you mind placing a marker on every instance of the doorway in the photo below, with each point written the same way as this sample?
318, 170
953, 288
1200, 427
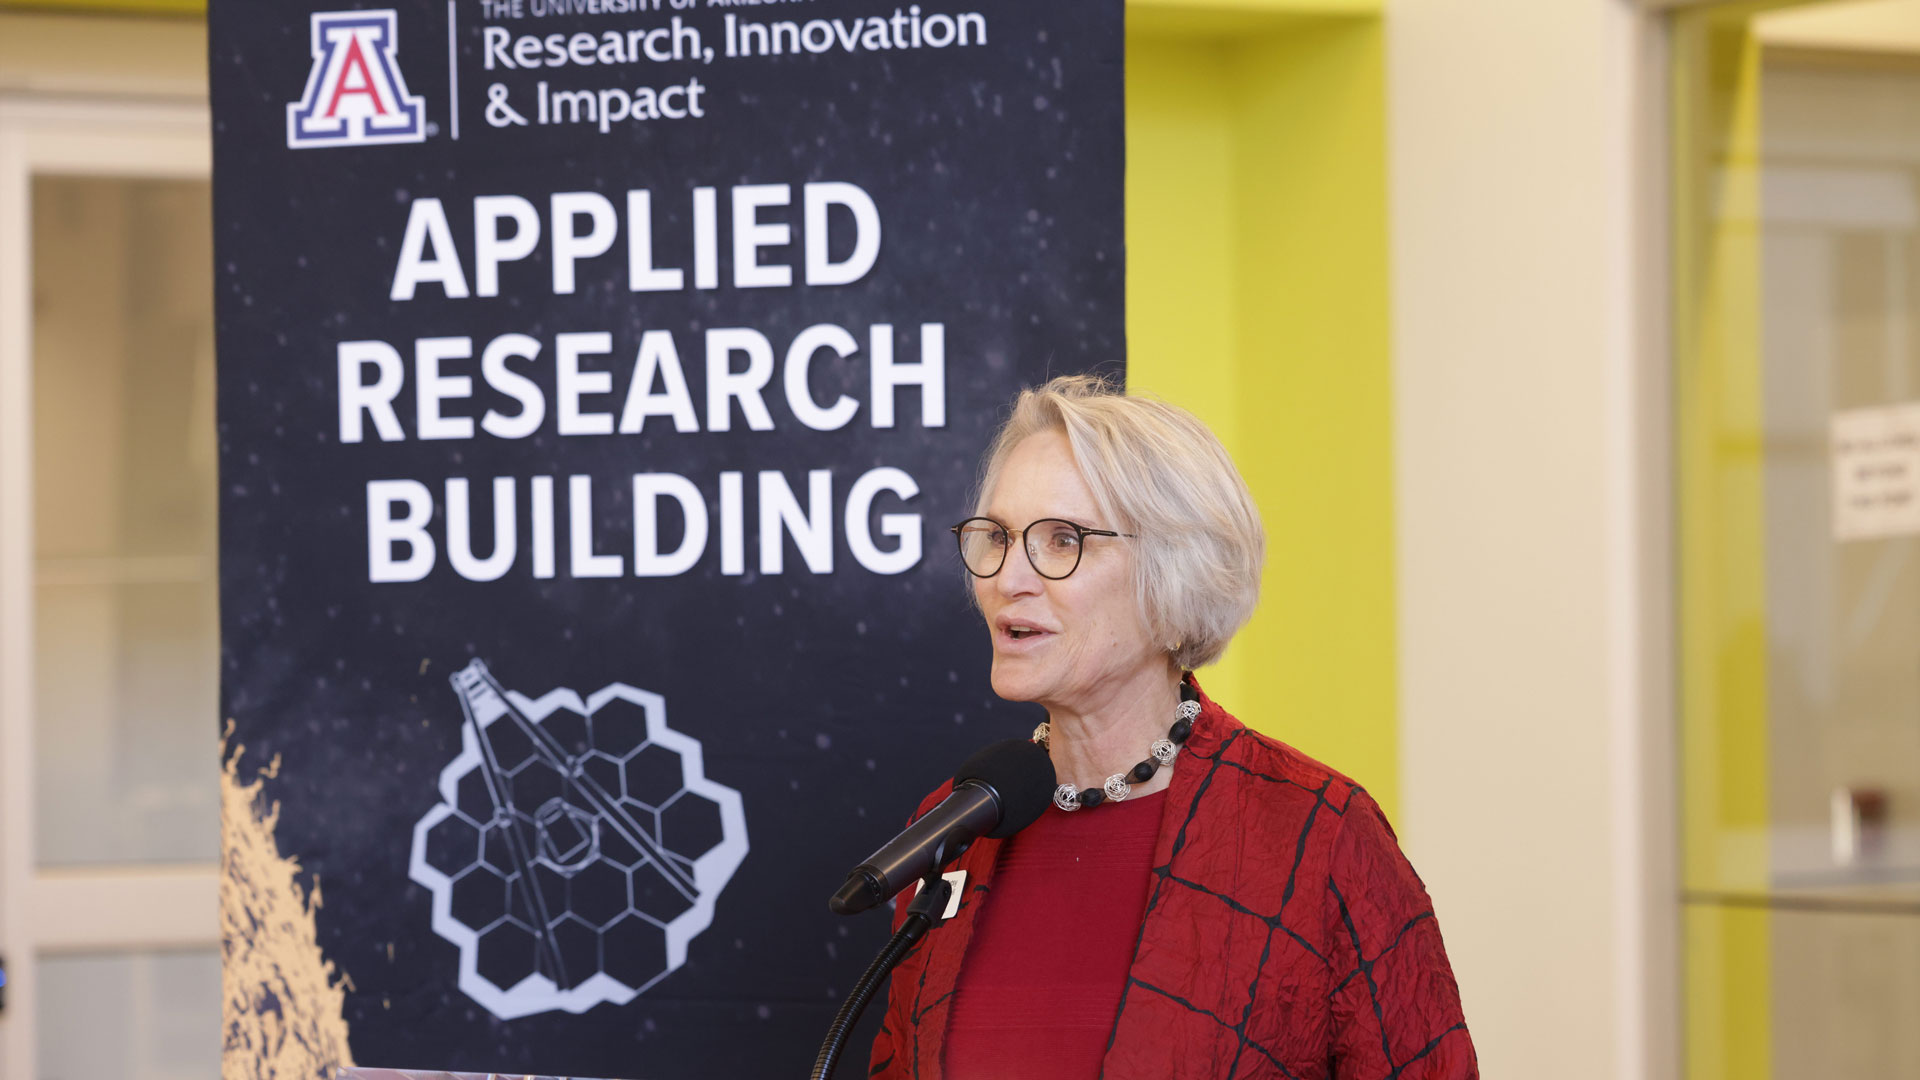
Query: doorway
1797, 233
109, 783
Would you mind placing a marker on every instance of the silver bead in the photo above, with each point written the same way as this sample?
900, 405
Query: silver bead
1041, 734
1066, 797
1117, 787
1163, 751
1189, 710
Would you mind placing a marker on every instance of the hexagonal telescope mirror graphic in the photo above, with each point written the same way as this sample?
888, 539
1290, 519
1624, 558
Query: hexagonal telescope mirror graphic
577, 847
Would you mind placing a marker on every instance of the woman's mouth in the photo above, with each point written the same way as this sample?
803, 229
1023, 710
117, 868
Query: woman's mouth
1022, 633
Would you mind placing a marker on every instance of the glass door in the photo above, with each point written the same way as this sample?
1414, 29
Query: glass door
109, 783
1797, 152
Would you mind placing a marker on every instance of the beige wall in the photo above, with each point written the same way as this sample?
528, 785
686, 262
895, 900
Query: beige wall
1527, 430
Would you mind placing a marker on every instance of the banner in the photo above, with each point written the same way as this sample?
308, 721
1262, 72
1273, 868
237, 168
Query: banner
597, 381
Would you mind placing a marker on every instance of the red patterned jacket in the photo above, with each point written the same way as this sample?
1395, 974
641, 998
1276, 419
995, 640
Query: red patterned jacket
1285, 936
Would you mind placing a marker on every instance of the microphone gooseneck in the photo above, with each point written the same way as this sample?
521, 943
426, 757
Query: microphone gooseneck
999, 791
922, 915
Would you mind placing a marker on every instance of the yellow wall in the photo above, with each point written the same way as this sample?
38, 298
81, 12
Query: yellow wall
1723, 660
1256, 296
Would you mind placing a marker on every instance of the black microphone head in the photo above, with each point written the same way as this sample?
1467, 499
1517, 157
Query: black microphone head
1020, 773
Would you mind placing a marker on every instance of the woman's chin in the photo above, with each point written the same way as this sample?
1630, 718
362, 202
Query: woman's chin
1014, 680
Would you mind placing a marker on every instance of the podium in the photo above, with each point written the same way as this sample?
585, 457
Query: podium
438, 1075
433, 1074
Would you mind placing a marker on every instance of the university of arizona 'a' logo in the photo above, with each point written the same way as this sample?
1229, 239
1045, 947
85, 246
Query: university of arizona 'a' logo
355, 95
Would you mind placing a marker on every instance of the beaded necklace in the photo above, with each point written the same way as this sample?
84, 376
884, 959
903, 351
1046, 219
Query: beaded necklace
1118, 787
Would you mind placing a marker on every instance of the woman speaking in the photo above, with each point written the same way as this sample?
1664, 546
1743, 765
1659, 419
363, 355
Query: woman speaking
1201, 900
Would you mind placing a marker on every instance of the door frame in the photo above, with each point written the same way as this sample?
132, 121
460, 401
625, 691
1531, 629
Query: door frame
113, 908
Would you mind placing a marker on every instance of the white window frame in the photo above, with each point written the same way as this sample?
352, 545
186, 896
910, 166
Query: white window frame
112, 908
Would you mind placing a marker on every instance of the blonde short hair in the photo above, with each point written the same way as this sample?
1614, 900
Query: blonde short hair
1159, 473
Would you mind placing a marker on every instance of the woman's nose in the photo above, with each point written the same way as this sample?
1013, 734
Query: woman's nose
1017, 577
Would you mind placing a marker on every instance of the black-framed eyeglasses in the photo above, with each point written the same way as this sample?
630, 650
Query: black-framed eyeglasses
1053, 545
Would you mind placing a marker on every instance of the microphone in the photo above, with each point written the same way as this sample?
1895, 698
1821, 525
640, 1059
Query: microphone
999, 791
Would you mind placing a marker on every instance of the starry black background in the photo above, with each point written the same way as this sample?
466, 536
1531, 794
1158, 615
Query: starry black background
831, 702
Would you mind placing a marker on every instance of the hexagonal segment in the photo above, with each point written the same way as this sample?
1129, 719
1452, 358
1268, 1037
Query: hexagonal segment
579, 948
497, 848
655, 896
614, 845
512, 747
453, 844
633, 951
569, 729
551, 884
599, 893
690, 825
603, 772
619, 727
506, 955
471, 795
479, 898
520, 903
567, 836
653, 775
534, 783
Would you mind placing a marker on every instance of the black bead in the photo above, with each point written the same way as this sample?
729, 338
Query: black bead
1143, 772
1092, 797
1180, 730
1187, 692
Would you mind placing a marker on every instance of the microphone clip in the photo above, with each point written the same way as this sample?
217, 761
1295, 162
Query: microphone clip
931, 902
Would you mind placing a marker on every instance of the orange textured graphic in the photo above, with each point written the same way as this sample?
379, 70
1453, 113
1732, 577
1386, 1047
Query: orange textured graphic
283, 1000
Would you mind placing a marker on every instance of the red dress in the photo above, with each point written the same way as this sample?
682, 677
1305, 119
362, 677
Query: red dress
1284, 936
1036, 997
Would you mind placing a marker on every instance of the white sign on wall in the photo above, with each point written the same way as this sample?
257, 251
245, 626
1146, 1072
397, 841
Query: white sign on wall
1876, 472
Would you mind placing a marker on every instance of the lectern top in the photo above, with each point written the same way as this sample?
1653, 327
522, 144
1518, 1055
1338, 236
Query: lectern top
438, 1075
